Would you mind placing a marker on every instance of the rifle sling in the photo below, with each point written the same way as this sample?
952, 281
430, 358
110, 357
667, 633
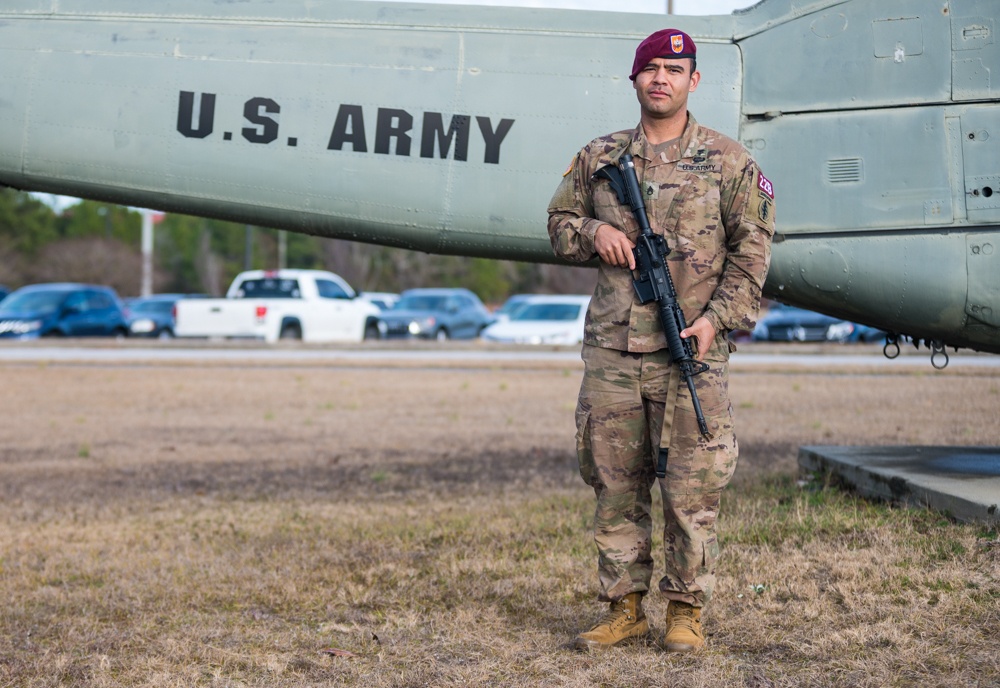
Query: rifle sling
673, 386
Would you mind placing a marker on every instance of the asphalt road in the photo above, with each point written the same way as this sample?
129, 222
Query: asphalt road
452, 353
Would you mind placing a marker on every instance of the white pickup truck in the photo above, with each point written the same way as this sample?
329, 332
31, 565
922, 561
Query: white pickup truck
311, 305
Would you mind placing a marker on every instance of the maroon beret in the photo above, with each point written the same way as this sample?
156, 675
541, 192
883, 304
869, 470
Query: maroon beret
671, 43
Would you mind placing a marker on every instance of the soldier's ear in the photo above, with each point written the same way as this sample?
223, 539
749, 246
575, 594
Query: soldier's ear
695, 78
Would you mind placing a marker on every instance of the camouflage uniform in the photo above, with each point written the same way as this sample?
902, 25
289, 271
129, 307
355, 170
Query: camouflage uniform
716, 210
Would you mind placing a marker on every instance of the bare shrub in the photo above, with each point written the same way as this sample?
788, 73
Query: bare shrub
567, 279
11, 264
94, 261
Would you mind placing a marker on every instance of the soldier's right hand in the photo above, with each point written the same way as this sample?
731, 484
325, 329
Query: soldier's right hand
614, 247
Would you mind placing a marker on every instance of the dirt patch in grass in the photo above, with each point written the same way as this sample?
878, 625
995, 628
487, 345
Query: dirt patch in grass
222, 525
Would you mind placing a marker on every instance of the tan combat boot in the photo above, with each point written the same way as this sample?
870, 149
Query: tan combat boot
624, 619
683, 628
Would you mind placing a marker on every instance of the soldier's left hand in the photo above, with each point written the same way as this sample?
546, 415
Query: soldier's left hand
704, 334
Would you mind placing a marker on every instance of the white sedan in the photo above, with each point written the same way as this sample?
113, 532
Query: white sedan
542, 320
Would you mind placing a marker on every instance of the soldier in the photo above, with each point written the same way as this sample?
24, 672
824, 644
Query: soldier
709, 199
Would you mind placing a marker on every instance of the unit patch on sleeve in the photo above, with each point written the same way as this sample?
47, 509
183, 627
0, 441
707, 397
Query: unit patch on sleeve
760, 203
764, 210
764, 184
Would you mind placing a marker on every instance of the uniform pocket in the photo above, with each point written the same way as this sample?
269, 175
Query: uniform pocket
613, 445
700, 228
607, 208
697, 463
584, 452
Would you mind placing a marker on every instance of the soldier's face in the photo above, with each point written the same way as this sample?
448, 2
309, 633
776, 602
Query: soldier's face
663, 86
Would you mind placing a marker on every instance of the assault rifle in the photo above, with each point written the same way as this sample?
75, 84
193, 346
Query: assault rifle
654, 283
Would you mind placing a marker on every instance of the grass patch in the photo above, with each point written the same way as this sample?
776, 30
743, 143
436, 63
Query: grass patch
469, 592
206, 550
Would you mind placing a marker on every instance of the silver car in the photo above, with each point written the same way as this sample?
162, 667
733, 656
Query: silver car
543, 320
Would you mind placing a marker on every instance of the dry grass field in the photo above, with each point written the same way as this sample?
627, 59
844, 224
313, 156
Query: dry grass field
312, 525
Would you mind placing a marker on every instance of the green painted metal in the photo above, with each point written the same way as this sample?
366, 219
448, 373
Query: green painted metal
446, 128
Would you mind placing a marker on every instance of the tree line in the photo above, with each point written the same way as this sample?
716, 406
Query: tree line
99, 243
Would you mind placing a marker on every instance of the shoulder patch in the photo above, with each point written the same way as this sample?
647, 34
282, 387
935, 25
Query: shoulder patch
764, 184
570, 168
759, 208
764, 211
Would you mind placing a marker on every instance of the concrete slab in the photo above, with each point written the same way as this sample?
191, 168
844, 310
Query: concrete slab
961, 481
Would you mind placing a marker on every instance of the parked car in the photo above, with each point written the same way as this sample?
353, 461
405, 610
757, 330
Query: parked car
790, 324
509, 306
542, 320
153, 316
383, 299
310, 305
62, 310
436, 314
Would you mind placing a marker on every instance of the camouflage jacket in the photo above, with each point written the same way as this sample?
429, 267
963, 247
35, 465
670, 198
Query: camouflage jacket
708, 197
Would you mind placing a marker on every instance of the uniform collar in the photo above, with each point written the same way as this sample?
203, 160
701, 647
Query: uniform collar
684, 147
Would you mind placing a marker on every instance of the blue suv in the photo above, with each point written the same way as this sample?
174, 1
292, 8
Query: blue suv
62, 310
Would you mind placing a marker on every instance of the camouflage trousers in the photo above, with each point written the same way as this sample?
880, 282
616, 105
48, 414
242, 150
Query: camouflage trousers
620, 419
